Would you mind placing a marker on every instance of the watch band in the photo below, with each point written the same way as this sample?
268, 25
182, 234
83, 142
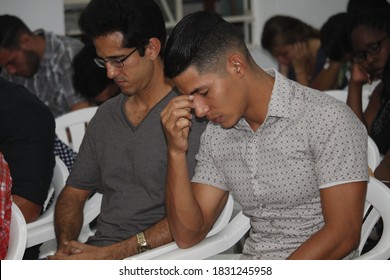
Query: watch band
142, 244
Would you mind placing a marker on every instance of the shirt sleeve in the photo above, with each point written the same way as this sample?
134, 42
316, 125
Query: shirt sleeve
339, 142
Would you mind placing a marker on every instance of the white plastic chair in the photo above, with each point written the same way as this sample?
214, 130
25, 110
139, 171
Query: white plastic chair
378, 196
373, 155
377, 206
42, 230
219, 225
70, 128
342, 94
18, 235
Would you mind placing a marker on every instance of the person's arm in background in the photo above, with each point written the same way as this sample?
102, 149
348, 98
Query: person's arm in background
382, 172
300, 64
28, 147
327, 78
355, 91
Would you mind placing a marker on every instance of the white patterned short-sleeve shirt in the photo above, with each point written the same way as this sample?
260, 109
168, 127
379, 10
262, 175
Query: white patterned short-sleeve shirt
309, 141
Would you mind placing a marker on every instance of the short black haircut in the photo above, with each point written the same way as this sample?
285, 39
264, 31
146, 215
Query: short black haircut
334, 36
200, 39
11, 28
137, 20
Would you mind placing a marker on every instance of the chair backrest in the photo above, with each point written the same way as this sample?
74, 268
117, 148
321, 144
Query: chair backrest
219, 225
36, 234
18, 235
70, 128
342, 94
42, 230
377, 206
373, 155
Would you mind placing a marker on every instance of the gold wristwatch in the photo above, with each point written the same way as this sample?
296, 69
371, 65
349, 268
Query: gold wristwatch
142, 244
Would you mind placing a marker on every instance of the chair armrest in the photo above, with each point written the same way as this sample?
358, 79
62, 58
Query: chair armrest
208, 247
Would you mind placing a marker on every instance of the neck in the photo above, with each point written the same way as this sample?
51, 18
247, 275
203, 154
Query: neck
260, 91
158, 87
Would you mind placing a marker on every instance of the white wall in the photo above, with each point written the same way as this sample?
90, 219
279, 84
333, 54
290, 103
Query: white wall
313, 12
46, 14
49, 14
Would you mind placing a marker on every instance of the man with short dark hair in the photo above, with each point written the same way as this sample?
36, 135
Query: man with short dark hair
42, 62
124, 151
293, 157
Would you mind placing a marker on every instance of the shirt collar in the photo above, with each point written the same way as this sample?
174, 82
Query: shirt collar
280, 102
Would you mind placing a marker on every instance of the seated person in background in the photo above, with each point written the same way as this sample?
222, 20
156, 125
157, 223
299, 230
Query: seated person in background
370, 43
90, 80
335, 45
297, 48
27, 143
5, 206
278, 146
124, 151
41, 61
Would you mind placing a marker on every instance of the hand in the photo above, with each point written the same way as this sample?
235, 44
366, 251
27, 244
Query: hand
176, 120
75, 250
359, 75
300, 56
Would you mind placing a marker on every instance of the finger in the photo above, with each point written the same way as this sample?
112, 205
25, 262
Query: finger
179, 102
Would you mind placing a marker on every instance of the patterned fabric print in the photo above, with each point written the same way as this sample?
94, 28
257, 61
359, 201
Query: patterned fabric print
308, 141
5, 206
65, 153
53, 81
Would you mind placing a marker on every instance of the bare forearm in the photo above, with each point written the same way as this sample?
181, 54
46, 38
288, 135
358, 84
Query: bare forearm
184, 215
30, 210
68, 218
157, 235
327, 78
326, 245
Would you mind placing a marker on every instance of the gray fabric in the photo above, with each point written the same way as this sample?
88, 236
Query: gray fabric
308, 141
128, 165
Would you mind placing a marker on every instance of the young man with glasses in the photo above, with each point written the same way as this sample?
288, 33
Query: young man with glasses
124, 152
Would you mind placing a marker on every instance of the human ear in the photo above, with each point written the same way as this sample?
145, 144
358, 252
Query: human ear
236, 64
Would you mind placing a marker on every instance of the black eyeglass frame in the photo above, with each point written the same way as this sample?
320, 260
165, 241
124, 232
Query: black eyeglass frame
116, 62
373, 49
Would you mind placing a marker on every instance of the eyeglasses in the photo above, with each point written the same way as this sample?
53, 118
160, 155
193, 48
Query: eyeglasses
116, 62
360, 56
